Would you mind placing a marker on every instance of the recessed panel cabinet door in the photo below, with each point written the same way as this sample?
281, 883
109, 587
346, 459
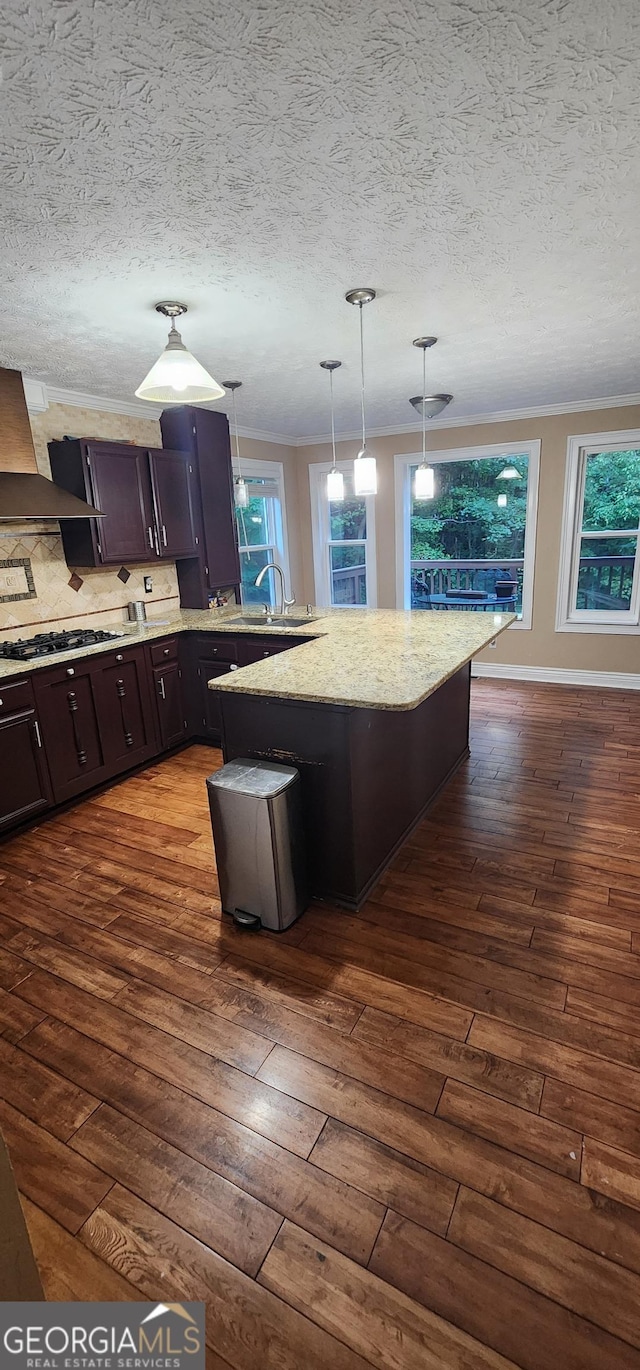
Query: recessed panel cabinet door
24, 778
124, 710
121, 488
174, 490
209, 723
70, 731
171, 717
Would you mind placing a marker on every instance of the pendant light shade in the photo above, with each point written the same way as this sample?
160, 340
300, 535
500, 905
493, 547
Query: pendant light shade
430, 405
424, 483
509, 473
335, 478
240, 487
365, 476
177, 377
502, 501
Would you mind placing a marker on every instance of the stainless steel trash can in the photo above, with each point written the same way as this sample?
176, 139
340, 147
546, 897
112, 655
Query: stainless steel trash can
256, 816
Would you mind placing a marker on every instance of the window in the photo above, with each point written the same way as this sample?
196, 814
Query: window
599, 583
261, 530
343, 543
472, 546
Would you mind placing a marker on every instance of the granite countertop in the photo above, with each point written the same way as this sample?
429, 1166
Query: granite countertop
361, 658
370, 658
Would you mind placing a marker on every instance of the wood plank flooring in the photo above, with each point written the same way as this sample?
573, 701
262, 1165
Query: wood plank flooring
407, 1138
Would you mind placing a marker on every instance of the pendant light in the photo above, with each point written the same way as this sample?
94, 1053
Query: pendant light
365, 480
509, 473
424, 480
176, 377
335, 478
502, 501
240, 487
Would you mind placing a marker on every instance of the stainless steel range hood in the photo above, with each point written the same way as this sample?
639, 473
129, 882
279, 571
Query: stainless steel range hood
24, 493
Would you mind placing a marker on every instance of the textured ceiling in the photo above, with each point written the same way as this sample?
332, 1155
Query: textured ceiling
474, 160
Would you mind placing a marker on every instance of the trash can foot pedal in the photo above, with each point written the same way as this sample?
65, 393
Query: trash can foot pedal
247, 920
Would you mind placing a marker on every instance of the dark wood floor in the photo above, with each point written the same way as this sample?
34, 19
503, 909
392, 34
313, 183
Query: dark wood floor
407, 1139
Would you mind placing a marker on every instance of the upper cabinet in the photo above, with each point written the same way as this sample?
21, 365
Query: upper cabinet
174, 491
205, 434
148, 497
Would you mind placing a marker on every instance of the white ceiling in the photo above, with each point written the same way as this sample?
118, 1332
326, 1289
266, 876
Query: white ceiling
476, 161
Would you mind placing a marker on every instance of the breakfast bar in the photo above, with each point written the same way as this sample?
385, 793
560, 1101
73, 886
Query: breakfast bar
374, 713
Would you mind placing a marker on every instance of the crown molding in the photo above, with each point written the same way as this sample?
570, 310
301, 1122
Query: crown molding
543, 411
39, 396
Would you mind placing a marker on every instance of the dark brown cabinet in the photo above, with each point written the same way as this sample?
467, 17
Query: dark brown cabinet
174, 498
209, 722
148, 497
69, 722
205, 435
166, 669
97, 719
25, 787
125, 716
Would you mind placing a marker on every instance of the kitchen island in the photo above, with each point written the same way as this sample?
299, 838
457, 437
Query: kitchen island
374, 713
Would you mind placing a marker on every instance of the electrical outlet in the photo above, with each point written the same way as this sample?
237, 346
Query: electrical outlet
492, 644
148, 585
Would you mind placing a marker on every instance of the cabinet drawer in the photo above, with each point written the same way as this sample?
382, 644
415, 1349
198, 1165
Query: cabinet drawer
217, 648
253, 648
15, 695
160, 652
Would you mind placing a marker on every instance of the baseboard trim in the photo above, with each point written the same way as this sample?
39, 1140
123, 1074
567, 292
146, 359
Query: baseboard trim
553, 675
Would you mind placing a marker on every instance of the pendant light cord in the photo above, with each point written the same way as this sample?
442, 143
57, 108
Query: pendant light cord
364, 431
239, 509
333, 427
424, 417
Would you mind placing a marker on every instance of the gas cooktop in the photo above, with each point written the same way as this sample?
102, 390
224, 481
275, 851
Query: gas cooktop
45, 644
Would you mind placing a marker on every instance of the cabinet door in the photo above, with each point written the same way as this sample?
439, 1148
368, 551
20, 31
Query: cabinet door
69, 723
172, 480
25, 788
205, 434
121, 488
209, 723
168, 690
124, 710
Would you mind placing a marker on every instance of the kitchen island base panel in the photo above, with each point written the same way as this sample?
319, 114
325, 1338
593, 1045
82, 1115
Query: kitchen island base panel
368, 775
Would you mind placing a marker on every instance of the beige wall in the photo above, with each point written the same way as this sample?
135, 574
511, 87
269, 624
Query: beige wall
541, 646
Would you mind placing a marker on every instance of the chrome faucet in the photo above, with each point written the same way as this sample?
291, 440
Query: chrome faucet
284, 602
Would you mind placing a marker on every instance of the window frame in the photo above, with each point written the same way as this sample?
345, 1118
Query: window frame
403, 463
568, 618
254, 469
318, 472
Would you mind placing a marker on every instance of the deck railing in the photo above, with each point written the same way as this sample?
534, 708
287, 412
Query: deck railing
350, 585
603, 582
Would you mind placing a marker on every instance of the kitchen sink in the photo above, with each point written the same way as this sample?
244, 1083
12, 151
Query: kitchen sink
273, 620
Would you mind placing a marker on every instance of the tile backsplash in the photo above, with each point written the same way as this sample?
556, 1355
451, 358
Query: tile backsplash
101, 598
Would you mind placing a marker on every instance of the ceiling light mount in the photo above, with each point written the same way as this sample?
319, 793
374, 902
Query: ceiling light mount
171, 309
424, 343
363, 295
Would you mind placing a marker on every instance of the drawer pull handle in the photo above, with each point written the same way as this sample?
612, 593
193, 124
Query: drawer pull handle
70, 670
36, 730
161, 688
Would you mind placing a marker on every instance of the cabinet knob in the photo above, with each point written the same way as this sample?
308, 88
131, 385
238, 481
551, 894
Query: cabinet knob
1, 703
119, 656
70, 670
166, 651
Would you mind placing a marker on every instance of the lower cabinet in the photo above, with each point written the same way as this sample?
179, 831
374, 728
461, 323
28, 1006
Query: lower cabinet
167, 682
97, 719
71, 727
25, 787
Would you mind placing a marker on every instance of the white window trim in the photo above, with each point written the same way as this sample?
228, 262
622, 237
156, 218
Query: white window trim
568, 618
270, 470
318, 472
404, 461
